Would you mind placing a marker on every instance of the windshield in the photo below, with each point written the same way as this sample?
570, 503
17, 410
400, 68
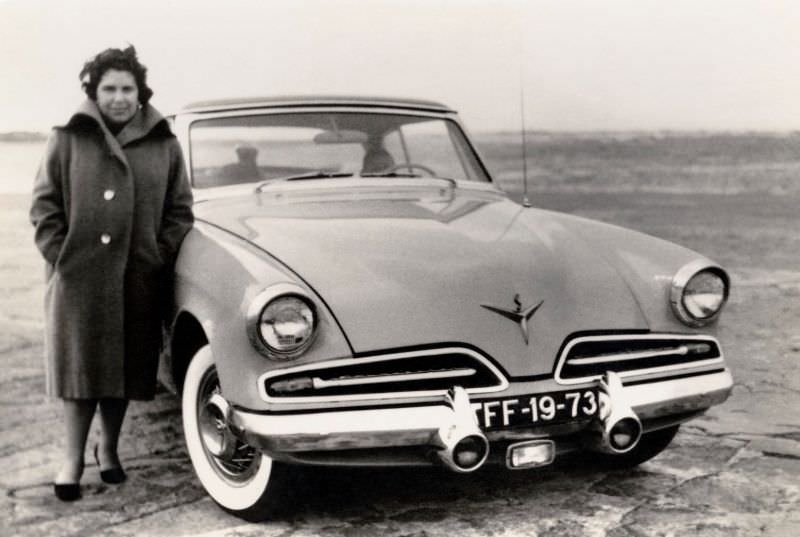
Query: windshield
259, 148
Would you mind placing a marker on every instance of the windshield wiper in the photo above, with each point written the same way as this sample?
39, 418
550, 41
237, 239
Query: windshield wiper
319, 174
390, 174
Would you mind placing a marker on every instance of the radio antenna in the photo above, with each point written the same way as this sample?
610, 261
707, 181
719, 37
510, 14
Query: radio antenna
525, 201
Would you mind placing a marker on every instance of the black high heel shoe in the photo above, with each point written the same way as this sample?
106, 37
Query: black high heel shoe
67, 492
113, 476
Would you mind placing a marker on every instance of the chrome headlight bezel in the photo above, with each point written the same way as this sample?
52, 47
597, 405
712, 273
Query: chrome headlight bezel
254, 318
681, 281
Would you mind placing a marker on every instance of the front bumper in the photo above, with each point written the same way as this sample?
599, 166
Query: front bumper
290, 436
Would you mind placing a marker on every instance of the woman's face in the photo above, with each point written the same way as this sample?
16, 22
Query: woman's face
117, 96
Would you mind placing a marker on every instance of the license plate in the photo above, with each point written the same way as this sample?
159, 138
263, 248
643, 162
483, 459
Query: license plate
538, 409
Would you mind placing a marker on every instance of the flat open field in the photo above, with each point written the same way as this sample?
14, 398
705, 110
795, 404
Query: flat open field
732, 472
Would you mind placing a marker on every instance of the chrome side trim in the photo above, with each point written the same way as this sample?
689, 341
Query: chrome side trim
262, 380
380, 379
634, 337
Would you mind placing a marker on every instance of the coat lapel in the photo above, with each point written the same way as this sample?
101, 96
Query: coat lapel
88, 110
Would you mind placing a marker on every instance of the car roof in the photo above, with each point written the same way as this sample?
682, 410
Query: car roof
287, 101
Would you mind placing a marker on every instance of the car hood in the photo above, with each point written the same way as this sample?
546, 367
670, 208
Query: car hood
414, 266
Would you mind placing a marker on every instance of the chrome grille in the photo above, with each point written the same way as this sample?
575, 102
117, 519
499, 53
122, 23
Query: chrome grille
414, 373
588, 357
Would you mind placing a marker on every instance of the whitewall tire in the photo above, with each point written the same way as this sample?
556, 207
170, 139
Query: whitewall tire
248, 483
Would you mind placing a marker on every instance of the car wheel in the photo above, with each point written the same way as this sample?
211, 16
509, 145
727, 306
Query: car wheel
246, 482
650, 445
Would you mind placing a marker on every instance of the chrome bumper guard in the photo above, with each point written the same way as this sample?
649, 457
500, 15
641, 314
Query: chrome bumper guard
440, 426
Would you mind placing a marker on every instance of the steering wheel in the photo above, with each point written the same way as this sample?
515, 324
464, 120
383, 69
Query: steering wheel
409, 166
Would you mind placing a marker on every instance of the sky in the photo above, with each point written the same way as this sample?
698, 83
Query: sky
568, 64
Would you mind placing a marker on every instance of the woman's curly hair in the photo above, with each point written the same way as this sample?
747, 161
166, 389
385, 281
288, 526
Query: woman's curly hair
121, 60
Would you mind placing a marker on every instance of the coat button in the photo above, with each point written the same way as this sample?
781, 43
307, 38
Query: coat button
105, 238
109, 194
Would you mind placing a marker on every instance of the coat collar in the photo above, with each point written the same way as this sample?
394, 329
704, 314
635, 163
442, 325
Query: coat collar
146, 120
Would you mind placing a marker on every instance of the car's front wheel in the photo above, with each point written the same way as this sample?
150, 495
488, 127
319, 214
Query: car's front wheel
239, 478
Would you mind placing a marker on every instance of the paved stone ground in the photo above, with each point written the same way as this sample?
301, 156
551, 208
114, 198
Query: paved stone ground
734, 472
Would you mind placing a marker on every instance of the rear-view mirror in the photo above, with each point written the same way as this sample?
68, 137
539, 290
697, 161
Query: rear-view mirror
340, 137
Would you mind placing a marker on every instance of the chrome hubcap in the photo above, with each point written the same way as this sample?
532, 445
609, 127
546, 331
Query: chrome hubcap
231, 458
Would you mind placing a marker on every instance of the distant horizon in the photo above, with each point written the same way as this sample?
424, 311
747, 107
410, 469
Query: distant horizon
699, 162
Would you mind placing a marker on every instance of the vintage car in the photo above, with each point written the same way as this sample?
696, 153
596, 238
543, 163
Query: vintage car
358, 291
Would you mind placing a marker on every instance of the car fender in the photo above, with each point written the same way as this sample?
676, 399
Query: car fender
646, 263
217, 276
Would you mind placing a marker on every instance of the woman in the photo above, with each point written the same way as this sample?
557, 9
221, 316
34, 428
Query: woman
111, 205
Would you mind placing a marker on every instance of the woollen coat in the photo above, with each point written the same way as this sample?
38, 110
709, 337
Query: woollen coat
109, 213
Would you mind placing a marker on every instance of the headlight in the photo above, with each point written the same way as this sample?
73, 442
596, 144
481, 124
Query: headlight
282, 321
698, 293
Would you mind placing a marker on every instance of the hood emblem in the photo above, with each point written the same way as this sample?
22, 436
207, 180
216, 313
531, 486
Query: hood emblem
518, 315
